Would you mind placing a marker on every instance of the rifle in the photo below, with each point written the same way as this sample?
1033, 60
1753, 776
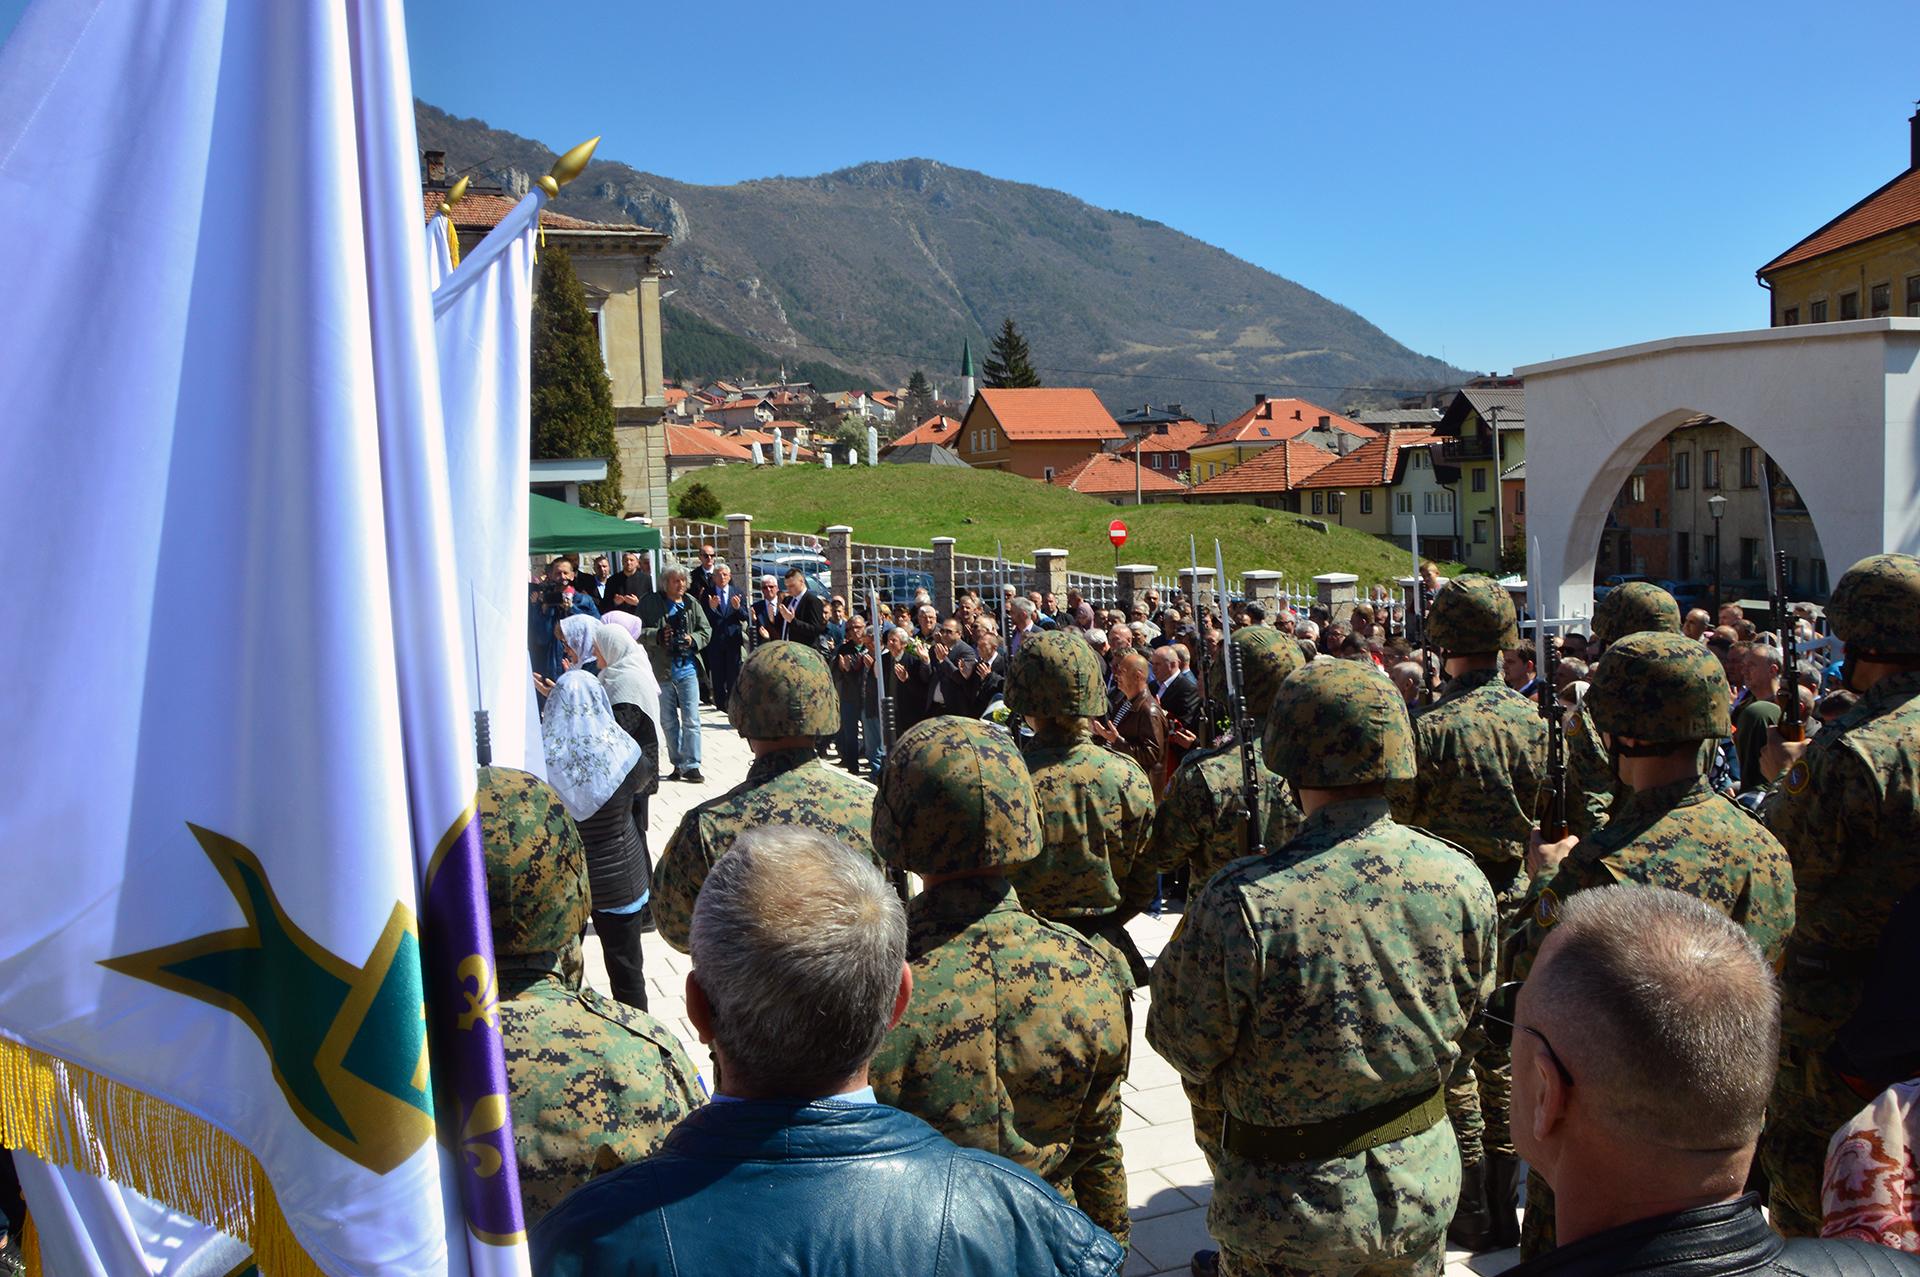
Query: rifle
1243, 726
886, 716
1421, 598
1792, 724
1546, 665
1201, 655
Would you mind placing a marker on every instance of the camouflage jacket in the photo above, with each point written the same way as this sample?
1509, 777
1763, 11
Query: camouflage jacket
1096, 814
1849, 815
1015, 1041
1590, 783
1685, 837
595, 1083
1482, 754
792, 787
1334, 974
1202, 820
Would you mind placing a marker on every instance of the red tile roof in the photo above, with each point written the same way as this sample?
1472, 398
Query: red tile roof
1371, 465
1045, 413
481, 212
1281, 468
1180, 436
673, 394
1893, 206
1106, 473
1278, 419
940, 430
689, 441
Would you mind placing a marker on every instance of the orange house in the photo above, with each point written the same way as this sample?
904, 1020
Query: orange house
1038, 433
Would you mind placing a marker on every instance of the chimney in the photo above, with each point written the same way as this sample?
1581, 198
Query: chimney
1324, 422
1258, 400
1913, 126
1296, 414
1173, 410
436, 162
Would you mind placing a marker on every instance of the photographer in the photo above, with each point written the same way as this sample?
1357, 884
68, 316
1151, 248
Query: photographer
674, 629
549, 603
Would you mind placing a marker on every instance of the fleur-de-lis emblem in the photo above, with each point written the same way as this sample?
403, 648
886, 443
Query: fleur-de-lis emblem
482, 992
486, 1117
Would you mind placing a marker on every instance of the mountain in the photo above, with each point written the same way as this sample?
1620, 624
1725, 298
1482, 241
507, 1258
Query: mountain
881, 268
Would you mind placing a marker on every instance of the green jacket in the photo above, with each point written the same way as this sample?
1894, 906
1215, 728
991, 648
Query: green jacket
1203, 818
1482, 757
653, 615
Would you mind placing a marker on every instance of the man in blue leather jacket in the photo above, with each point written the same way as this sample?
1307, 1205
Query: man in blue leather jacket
799, 954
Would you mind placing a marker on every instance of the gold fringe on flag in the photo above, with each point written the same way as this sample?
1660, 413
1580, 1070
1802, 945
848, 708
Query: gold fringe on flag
30, 1249
453, 240
70, 1116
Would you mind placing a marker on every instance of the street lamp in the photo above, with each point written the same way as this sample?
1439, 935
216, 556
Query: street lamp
1716, 506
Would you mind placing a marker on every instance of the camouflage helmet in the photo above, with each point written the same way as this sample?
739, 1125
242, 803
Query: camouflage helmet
1337, 723
1057, 675
1638, 607
536, 864
1875, 607
1266, 657
784, 690
1472, 615
955, 797
1660, 688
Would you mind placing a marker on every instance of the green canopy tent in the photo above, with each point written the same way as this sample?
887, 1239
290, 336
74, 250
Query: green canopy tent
558, 527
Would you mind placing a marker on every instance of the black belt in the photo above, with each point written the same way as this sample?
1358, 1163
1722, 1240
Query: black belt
1341, 1136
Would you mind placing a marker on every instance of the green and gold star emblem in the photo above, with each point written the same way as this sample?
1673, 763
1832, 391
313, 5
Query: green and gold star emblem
348, 1044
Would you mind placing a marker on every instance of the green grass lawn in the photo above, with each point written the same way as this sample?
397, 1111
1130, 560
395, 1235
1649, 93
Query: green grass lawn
910, 505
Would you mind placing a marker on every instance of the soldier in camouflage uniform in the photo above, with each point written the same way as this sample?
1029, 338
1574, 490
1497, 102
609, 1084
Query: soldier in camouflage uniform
1848, 809
595, 1083
1096, 806
1319, 996
1015, 1040
782, 703
1634, 608
1657, 696
1482, 750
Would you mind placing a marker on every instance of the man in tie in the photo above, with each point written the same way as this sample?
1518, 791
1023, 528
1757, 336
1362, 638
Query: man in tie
727, 612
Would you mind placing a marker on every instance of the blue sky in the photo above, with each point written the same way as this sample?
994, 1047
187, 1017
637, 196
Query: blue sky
1494, 183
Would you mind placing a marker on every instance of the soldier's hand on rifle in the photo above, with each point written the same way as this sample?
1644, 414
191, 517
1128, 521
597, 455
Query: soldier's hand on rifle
1779, 754
1545, 857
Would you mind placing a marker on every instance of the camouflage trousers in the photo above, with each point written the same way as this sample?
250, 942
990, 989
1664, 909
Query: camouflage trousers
1479, 1095
1536, 1228
1431, 1261
1809, 1104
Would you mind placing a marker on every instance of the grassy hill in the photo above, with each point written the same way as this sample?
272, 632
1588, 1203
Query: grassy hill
910, 505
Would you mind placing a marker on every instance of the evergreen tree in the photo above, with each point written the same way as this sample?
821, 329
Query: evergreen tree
572, 398
1009, 366
920, 402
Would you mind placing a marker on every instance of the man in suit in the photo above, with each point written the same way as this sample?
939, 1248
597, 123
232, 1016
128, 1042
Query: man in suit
700, 579
950, 685
625, 588
1179, 690
726, 607
596, 585
766, 612
800, 616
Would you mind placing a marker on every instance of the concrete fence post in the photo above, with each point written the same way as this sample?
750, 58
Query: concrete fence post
1262, 586
740, 551
1050, 572
943, 574
840, 562
1336, 594
1200, 591
1135, 579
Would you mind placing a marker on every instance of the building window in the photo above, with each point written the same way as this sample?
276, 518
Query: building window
1710, 469
1879, 300
1749, 467
1403, 502
1656, 516
973, 441
1817, 312
1047, 473
1793, 575
1749, 556
1683, 551
1819, 567
1479, 480
1520, 502
1683, 469
1849, 305
1366, 503
1319, 504
1637, 489
1913, 295
1479, 531
1790, 316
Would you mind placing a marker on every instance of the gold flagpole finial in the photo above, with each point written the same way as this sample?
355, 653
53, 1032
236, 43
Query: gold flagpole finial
459, 191
568, 167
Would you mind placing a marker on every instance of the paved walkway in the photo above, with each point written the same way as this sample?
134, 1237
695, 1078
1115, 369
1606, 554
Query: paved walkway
1167, 1180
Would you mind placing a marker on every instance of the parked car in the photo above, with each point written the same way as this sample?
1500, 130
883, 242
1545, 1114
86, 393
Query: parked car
775, 563
896, 584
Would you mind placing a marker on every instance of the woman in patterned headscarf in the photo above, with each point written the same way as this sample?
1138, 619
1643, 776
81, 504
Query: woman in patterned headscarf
596, 767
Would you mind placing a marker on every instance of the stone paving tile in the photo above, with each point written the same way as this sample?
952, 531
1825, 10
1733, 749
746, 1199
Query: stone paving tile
1149, 1194
1167, 1242
1161, 1105
1152, 1148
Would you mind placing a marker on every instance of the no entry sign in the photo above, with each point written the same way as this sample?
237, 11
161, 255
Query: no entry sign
1117, 533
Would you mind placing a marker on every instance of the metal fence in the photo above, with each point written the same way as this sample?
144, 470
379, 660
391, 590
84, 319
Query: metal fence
897, 572
984, 575
684, 537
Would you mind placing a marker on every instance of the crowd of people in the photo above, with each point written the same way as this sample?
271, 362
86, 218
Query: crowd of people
1390, 996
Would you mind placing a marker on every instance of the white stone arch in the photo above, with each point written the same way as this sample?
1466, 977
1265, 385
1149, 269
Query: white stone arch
1836, 405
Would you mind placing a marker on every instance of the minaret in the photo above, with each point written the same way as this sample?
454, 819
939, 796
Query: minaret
967, 382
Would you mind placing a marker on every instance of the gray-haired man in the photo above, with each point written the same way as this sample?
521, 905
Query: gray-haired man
675, 629
1645, 1042
799, 970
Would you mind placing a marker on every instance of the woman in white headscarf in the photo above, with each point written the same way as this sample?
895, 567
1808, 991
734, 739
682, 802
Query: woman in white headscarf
575, 635
595, 767
627, 674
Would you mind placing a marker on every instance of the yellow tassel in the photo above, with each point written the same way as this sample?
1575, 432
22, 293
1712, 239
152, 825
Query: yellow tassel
453, 242
30, 1249
70, 1116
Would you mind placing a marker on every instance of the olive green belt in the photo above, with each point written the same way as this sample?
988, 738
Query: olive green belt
1337, 1136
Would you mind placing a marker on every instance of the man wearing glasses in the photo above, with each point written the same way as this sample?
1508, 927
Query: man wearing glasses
1318, 997
1644, 1045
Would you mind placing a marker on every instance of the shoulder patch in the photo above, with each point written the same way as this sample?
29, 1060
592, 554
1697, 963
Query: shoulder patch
1797, 777
1574, 729
1546, 910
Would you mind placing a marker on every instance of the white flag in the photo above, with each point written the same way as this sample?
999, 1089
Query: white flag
218, 991
482, 325
439, 251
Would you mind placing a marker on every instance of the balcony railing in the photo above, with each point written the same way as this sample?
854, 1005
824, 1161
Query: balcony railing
1466, 448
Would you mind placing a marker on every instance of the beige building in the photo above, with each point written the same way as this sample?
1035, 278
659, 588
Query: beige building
619, 269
